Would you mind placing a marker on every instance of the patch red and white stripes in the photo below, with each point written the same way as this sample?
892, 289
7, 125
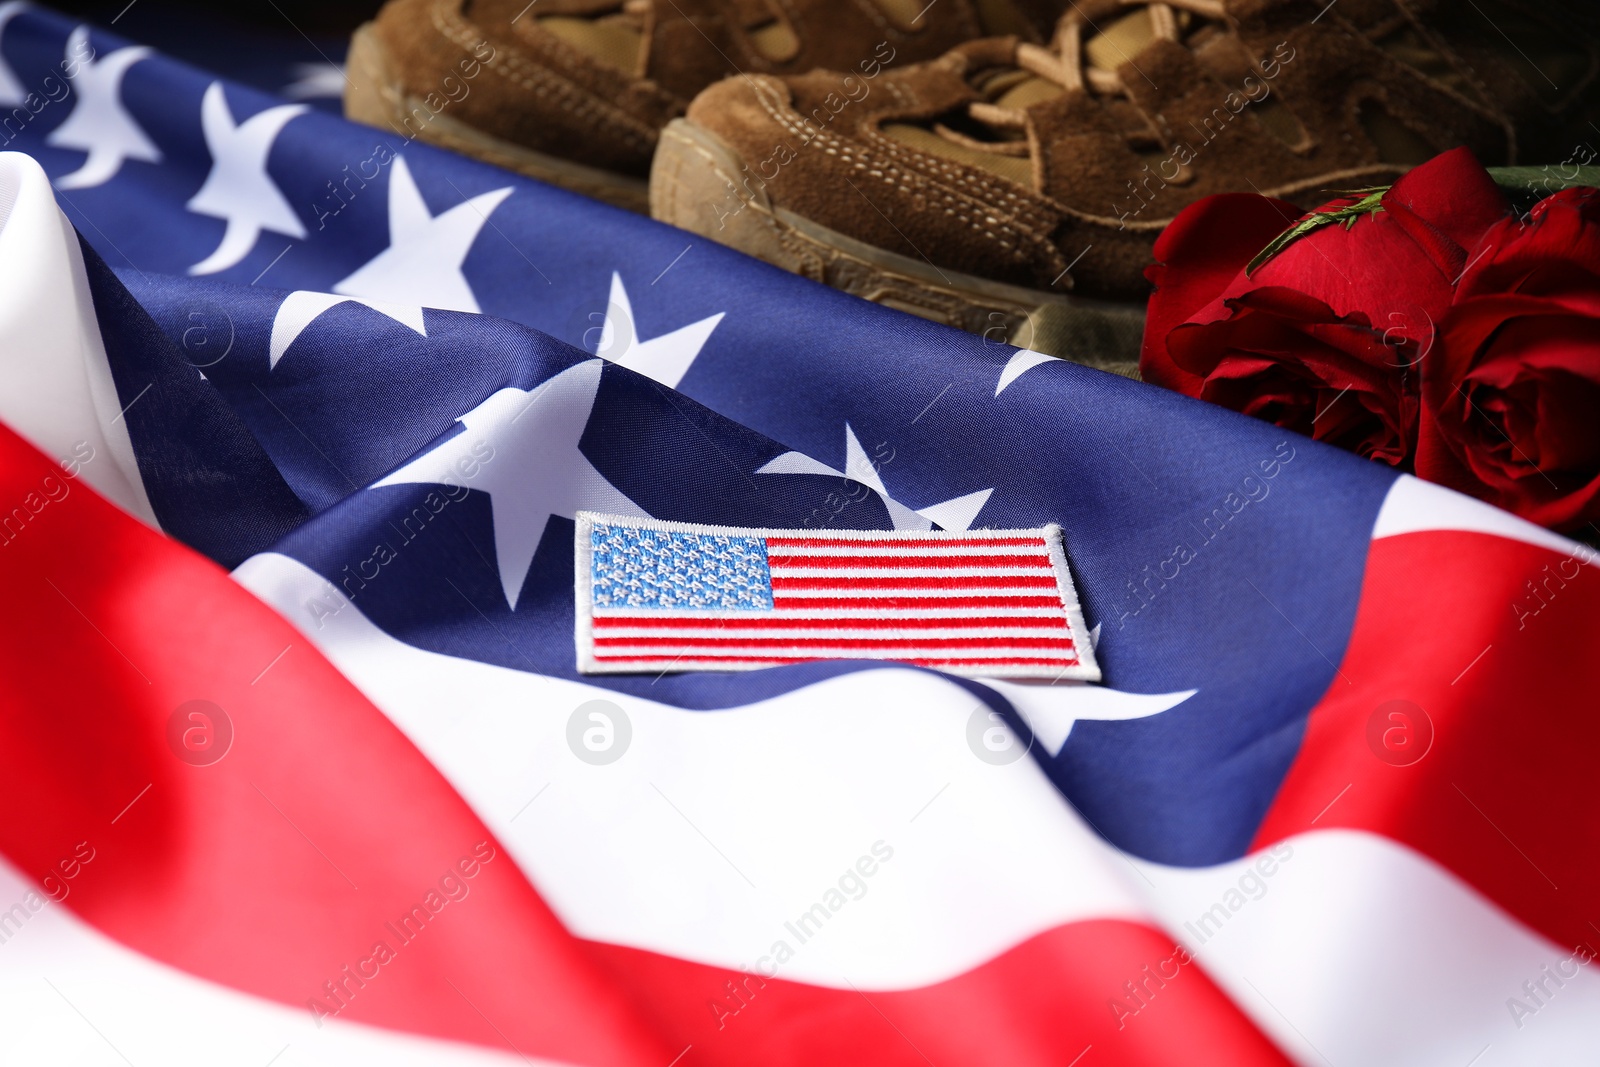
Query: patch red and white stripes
658, 596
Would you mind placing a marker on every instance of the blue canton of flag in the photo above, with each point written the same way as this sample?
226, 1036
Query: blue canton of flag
639, 567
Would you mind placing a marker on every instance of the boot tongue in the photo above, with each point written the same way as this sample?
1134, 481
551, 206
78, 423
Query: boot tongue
600, 28
1119, 41
614, 37
1116, 42
503, 14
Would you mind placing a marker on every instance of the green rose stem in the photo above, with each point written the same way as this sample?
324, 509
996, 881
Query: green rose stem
1523, 186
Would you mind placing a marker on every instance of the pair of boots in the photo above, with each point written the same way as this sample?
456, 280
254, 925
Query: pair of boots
1000, 165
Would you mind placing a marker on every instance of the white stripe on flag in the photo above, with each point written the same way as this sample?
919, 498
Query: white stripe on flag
985, 856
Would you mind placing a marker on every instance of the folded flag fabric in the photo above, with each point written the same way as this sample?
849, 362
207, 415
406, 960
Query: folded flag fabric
302, 768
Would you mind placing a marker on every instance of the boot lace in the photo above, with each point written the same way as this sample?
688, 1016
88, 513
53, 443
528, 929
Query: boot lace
1063, 64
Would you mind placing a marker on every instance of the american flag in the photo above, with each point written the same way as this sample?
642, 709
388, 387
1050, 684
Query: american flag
655, 596
289, 652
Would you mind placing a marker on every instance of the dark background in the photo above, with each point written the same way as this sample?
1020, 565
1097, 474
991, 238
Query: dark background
266, 44
315, 18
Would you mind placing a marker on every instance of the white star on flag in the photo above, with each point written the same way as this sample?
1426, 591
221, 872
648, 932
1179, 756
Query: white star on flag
315, 81
422, 265
953, 514
524, 444
98, 123
299, 309
665, 359
1052, 710
238, 189
1021, 362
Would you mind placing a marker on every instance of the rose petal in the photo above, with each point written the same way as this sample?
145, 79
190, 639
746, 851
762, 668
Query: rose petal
1510, 402
1560, 235
1285, 357
1197, 255
1373, 268
1454, 195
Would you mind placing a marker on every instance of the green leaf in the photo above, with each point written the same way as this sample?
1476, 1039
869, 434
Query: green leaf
1370, 203
1526, 186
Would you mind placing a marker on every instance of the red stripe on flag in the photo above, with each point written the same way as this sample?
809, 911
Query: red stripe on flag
1047, 1001
1009, 661
789, 622
1039, 562
1046, 581
245, 871
902, 543
1498, 709
794, 603
973, 641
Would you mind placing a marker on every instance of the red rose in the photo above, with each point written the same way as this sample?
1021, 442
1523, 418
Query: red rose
1511, 390
1324, 336
1287, 358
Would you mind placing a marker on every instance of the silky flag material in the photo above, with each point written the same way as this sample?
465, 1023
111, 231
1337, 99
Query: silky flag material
301, 429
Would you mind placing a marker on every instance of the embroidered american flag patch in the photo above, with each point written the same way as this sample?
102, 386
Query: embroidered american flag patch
665, 596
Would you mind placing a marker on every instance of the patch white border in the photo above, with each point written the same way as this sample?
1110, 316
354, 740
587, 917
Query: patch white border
1087, 669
